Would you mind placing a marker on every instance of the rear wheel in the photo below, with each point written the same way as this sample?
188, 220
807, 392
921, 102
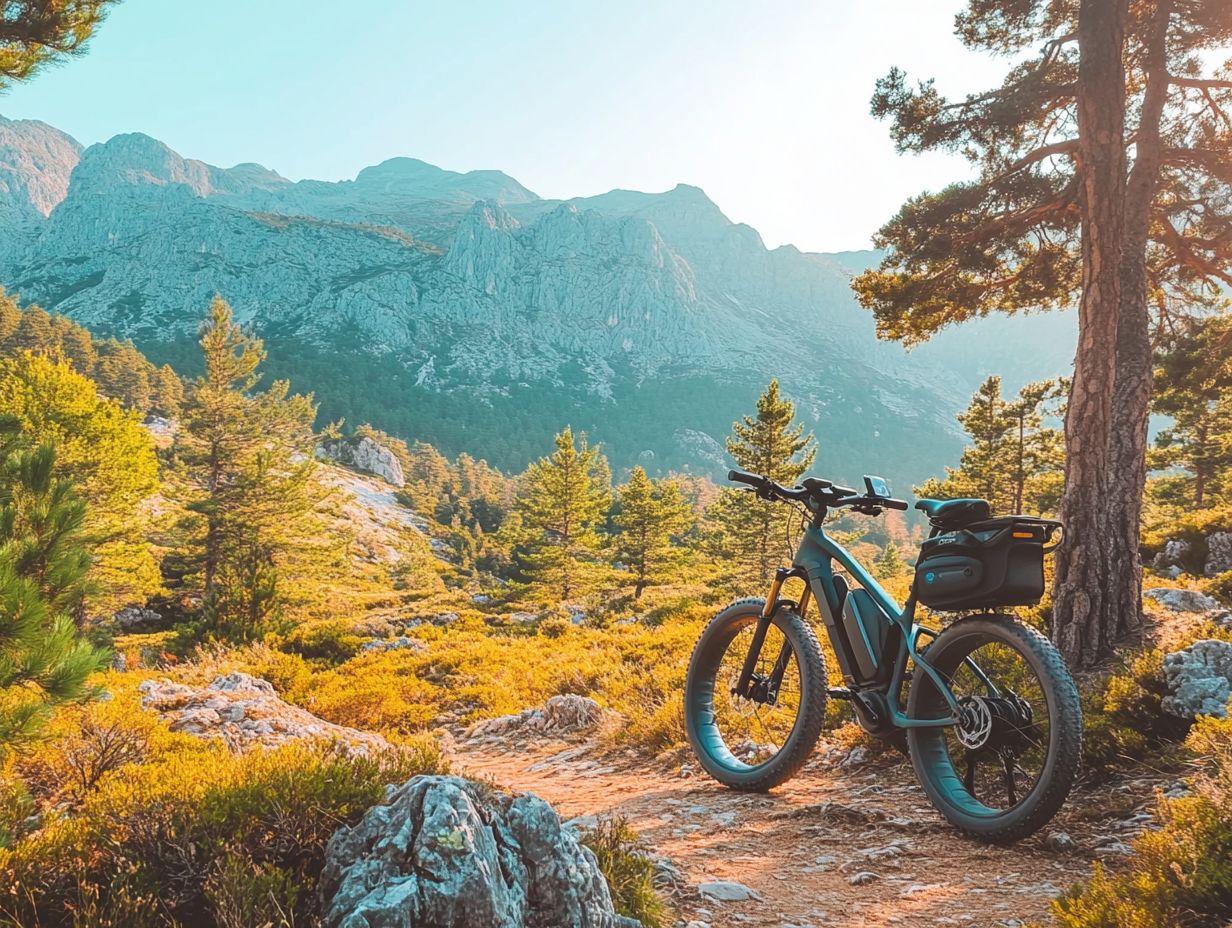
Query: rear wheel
1005, 770
760, 742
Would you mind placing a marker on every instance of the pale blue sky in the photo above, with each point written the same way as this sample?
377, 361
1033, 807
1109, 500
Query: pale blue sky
764, 105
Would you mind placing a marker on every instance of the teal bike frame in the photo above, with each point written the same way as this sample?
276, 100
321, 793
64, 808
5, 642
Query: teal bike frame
814, 563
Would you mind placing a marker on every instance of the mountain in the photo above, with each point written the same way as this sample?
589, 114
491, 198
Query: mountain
464, 310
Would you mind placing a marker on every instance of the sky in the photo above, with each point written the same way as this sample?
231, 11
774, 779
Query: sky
763, 105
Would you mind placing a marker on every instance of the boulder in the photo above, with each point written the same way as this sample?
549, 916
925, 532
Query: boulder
366, 455
1182, 600
1199, 679
1218, 553
246, 712
560, 715
1173, 555
443, 852
137, 619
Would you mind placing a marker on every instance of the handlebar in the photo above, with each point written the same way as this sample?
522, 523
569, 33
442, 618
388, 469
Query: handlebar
819, 492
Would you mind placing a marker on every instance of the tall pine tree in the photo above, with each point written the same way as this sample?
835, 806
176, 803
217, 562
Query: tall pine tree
247, 459
751, 536
563, 502
652, 517
1104, 173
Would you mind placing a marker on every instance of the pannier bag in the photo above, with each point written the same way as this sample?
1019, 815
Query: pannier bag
985, 565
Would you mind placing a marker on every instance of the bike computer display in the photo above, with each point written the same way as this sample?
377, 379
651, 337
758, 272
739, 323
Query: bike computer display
876, 486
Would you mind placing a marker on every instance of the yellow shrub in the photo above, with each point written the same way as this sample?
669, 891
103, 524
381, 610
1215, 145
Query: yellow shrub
155, 842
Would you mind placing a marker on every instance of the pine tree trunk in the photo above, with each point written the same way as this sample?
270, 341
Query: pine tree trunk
1135, 365
1080, 592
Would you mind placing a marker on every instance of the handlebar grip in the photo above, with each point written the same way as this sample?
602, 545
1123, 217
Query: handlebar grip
739, 476
900, 504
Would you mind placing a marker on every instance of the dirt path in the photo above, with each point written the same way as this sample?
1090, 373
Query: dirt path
806, 851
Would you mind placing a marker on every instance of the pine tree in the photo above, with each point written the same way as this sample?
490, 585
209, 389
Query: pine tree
44, 662
652, 516
36, 32
563, 501
1013, 460
1193, 385
1103, 178
248, 465
889, 563
751, 535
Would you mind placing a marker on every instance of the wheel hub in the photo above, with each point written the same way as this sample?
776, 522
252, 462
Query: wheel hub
1002, 724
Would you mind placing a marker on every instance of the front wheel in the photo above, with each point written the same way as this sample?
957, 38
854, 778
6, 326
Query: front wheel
756, 743
1007, 767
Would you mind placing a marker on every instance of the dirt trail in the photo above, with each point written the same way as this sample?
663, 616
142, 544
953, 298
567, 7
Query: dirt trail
800, 848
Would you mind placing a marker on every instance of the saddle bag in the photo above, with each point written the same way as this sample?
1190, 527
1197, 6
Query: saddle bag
985, 565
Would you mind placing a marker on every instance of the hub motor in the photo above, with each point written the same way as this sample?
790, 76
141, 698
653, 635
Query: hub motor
1000, 724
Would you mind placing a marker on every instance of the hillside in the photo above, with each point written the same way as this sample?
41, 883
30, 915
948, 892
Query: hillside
464, 310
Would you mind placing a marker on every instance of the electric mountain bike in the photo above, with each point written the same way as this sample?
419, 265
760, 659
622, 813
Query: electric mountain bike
991, 718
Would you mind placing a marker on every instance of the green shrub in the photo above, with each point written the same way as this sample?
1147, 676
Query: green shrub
331, 643
629, 872
1219, 586
1181, 875
1124, 720
1192, 527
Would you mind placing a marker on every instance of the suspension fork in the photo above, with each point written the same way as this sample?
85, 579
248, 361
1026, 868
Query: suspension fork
775, 679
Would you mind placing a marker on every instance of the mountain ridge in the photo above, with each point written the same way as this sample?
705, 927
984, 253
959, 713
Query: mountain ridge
466, 302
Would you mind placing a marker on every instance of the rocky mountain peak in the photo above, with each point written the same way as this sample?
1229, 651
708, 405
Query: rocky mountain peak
413, 177
137, 160
36, 161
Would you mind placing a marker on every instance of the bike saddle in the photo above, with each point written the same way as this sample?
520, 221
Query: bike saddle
954, 513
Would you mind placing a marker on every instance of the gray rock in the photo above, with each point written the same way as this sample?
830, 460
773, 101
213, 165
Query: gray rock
119, 662
366, 455
442, 852
1182, 600
560, 715
1059, 841
401, 643
138, 619
1173, 555
726, 891
1218, 553
1199, 679
858, 755
863, 877
246, 712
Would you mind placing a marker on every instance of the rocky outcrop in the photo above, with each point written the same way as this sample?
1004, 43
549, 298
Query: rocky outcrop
1171, 558
560, 715
138, 619
1218, 553
1199, 679
442, 852
246, 712
366, 455
1182, 600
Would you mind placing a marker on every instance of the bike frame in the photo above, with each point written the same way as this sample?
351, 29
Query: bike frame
814, 563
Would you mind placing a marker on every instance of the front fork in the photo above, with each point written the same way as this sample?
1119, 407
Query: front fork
766, 689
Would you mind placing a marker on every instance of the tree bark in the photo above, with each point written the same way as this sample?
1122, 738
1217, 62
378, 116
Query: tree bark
1081, 624
1135, 364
